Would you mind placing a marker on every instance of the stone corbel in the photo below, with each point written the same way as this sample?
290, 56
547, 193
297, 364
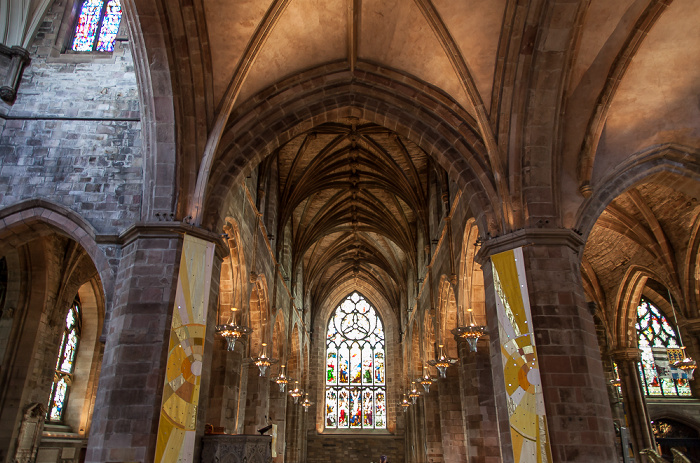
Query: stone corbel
19, 58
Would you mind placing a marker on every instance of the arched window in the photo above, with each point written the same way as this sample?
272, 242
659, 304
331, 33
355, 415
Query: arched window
97, 26
355, 367
63, 376
658, 341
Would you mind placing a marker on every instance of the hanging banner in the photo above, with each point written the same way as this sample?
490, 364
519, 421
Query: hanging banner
526, 412
178, 415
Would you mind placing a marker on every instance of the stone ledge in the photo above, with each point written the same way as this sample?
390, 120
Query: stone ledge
530, 237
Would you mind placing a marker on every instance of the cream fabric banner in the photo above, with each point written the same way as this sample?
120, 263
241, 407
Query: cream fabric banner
526, 412
178, 416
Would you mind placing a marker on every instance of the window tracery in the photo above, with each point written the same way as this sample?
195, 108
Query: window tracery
355, 367
65, 364
97, 25
658, 341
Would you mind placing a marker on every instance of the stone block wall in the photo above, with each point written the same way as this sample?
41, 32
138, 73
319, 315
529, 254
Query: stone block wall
327, 448
73, 134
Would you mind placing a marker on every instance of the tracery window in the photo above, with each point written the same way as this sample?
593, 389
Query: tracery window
658, 341
65, 364
355, 367
97, 26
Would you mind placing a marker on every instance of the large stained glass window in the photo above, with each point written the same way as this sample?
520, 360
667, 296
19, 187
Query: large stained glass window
659, 344
97, 25
355, 367
65, 364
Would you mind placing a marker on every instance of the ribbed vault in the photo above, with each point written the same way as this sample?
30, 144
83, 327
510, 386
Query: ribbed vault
355, 195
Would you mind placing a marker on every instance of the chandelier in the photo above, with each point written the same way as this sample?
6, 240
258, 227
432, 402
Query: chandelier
232, 331
296, 392
470, 333
263, 361
405, 403
442, 362
306, 403
426, 380
687, 364
281, 379
413, 394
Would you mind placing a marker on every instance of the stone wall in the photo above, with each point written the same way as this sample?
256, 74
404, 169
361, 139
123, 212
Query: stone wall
73, 134
361, 449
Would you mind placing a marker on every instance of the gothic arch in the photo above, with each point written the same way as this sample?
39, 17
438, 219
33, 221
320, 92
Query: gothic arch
293, 106
36, 218
447, 319
674, 164
471, 278
259, 315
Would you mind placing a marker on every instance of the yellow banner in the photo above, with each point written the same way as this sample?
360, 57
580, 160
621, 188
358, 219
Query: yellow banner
526, 412
178, 415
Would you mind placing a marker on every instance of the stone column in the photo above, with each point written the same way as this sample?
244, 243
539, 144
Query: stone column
451, 424
633, 400
575, 396
128, 402
478, 405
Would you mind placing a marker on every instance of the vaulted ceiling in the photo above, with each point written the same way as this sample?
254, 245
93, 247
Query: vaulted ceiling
559, 97
356, 194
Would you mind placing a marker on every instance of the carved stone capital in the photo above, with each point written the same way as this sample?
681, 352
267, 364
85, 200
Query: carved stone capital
627, 353
18, 60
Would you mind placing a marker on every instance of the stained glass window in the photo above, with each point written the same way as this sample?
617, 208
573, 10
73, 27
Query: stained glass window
65, 364
355, 368
658, 341
97, 25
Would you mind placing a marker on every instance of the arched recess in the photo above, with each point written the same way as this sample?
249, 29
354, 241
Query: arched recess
279, 337
415, 355
88, 360
471, 279
36, 218
233, 285
666, 164
391, 99
259, 315
447, 318
429, 335
47, 269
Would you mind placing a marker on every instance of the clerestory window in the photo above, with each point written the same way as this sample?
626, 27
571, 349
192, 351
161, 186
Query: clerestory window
355, 367
65, 364
97, 25
660, 347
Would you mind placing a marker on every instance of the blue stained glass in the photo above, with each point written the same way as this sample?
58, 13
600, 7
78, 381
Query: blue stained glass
65, 364
98, 25
110, 26
355, 339
88, 22
654, 331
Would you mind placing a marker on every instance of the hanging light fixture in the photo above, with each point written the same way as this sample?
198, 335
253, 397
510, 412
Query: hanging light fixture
442, 362
413, 394
263, 361
281, 379
426, 380
306, 403
232, 331
405, 403
296, 392
470, 333
686, 364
